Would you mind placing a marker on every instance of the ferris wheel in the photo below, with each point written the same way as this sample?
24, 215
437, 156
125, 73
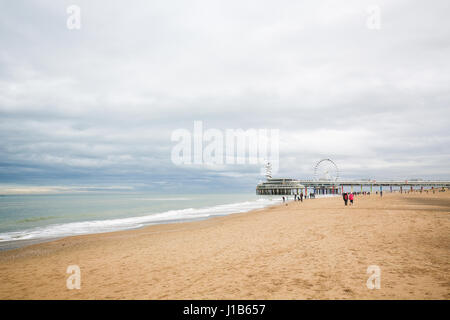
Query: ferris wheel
326, 170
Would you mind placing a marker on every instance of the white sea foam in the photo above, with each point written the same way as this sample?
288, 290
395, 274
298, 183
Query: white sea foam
99, 226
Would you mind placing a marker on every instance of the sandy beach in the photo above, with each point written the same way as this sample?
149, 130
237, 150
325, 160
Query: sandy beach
318, 249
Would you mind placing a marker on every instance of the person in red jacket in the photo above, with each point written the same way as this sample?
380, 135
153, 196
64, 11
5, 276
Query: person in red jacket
351, 196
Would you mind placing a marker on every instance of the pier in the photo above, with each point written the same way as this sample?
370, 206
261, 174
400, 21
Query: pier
281, 186
286, 186
324, 187
327, 181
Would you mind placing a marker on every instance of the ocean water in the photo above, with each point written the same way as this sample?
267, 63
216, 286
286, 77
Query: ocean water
28, 219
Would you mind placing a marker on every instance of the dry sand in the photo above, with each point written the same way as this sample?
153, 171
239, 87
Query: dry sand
317, 249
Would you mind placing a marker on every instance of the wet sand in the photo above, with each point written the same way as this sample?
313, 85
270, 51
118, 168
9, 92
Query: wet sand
318, 249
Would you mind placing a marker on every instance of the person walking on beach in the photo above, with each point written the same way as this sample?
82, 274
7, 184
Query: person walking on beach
351, 196
301, 197
345, 196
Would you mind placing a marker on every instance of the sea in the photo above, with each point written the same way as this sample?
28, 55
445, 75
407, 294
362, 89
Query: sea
28, 219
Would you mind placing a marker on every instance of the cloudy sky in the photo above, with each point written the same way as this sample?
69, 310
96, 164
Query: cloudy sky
95, 107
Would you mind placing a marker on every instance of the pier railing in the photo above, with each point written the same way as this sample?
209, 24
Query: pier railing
394, 183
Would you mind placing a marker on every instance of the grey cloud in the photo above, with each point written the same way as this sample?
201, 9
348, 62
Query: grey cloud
99, 104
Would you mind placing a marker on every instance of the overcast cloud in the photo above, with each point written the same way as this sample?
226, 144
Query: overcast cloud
97, 106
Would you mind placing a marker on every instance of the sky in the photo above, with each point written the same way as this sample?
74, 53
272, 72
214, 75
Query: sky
94, 108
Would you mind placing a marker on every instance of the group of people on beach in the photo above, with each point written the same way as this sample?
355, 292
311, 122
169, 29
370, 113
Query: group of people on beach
297, 197
348, 196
